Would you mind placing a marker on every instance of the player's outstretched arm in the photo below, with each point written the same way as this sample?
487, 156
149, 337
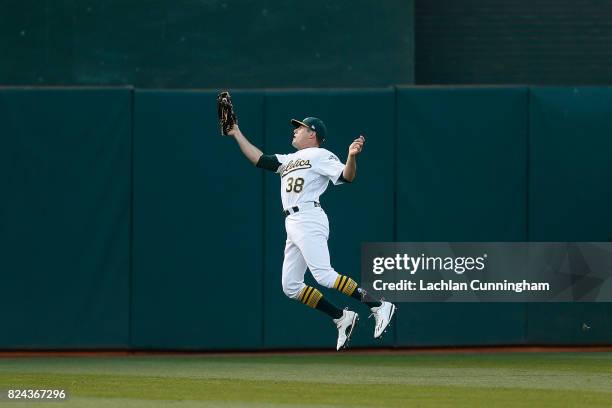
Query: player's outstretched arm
251, 152
350, 168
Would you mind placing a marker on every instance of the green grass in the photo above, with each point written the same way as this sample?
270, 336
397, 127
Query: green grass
342, 380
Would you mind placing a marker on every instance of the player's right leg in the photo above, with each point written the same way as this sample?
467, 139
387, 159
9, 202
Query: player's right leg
294, 267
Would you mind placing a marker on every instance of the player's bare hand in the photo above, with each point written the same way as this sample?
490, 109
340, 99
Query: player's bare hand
234, 131
357, 146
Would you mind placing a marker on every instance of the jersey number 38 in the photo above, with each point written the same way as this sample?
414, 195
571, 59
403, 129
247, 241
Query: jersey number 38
295, 185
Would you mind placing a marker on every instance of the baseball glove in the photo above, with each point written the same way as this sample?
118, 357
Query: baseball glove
225, 109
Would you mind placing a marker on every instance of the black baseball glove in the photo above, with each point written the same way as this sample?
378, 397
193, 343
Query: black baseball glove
225, 109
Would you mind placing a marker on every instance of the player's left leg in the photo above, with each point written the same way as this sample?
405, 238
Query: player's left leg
294, 267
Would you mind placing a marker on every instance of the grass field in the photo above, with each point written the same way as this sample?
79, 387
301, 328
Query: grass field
335, 380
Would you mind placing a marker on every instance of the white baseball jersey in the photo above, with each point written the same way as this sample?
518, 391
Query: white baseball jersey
306, 173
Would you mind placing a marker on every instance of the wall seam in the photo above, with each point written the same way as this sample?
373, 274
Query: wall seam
264, 224
131, 233
395, 183
527, 195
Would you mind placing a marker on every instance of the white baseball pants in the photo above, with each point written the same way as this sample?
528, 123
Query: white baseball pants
306, 246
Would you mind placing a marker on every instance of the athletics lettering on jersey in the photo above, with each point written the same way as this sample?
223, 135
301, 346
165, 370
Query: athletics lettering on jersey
294, 165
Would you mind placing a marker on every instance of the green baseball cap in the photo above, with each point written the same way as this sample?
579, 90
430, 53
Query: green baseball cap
315, 124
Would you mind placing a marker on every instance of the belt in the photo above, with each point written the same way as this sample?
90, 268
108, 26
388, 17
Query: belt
301, 207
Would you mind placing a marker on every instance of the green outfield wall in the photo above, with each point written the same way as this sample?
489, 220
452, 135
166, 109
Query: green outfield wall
461, 177
127, 222
197, 225
65, 218
267, 44
207, 44
513, 42
570, 197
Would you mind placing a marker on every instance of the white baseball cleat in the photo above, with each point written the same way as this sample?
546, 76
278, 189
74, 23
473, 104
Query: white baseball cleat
382, 316
345, 325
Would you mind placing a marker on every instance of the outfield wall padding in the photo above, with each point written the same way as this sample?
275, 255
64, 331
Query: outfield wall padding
198, 228
570, 197
461, 161
65, 218
127, 221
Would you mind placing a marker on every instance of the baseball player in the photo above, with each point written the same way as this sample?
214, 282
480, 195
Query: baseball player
305, 175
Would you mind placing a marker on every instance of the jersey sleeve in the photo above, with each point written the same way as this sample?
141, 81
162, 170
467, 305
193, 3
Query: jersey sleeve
329, 165
268, 162
283, 159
